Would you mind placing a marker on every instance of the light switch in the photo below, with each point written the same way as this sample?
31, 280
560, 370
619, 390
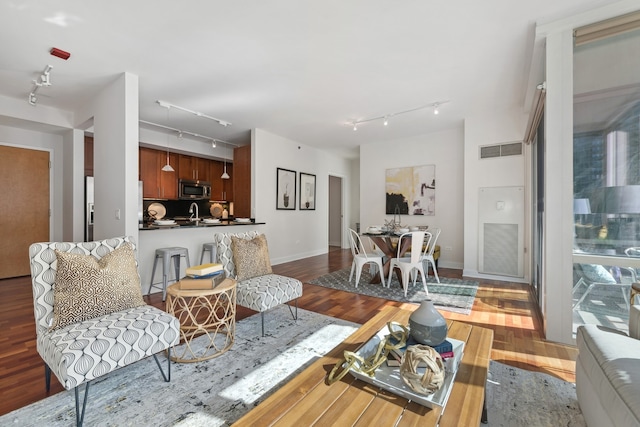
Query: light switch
117, 213
500, 206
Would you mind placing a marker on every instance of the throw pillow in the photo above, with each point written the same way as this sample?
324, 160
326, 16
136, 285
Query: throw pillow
86, 288
597, 273
251, 257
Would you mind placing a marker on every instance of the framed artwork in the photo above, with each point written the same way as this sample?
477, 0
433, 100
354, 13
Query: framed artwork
285, 189
307, 192
411, 190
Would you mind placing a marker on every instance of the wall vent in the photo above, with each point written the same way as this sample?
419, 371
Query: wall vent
501, 150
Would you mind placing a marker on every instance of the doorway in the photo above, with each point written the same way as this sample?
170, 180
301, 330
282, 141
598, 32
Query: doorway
24, 213
335, 211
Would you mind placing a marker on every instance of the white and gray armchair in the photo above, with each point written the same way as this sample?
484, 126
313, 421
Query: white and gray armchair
78, 346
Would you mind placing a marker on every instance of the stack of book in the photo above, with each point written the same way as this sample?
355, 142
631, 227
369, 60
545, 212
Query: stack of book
201, 276
445, 349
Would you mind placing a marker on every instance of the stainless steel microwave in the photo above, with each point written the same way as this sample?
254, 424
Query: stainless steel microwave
193, 190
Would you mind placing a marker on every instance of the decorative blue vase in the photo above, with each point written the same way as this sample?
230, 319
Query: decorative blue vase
427, 325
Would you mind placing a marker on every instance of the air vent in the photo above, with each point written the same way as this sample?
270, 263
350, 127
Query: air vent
501, 150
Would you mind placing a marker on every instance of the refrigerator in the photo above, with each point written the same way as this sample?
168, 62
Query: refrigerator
89, 200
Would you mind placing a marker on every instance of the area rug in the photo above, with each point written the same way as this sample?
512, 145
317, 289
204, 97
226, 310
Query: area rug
216, 392
517, 397
450, 294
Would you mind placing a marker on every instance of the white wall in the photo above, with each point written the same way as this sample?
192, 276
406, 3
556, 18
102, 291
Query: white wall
294, 234
442, 149
480, 130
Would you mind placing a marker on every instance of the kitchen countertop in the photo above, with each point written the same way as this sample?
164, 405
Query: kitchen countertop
198, 224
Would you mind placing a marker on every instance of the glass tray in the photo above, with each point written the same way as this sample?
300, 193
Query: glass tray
388, 377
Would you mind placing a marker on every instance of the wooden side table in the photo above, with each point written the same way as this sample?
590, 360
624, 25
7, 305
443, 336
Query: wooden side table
206, 313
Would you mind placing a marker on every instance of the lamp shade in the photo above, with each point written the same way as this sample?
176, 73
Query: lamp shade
581, 206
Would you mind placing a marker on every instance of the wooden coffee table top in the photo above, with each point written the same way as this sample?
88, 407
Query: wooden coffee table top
307, 399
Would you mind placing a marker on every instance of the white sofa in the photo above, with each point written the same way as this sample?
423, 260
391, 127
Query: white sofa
608, 374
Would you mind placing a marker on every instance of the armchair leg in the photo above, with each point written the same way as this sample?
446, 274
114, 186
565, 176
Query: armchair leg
295, 316
80, 411
167, 376
47, 377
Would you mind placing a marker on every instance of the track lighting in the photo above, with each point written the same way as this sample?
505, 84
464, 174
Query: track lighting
213, 143
43, 80
167, 105
385, 118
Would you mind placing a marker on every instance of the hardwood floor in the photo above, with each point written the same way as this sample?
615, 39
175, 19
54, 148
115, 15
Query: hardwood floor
507, 308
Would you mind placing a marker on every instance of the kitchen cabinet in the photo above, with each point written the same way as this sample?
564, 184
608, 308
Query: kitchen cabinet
191, 167
157, 184
88, 156
221, 189
241, 181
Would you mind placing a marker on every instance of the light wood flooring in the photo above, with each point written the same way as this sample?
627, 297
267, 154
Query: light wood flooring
507, 308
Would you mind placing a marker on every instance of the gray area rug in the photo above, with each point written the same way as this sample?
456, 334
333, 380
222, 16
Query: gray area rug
215, 392
219, 391
517, 397
450, 294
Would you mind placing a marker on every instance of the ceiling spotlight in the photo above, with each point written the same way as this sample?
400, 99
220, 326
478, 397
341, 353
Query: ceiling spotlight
179, 134
355, 126
435, 108
386, 121
213, 143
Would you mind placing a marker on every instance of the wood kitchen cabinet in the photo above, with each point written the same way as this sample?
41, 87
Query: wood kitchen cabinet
221, 189
88, 156
241, 181
191, 167
157, 184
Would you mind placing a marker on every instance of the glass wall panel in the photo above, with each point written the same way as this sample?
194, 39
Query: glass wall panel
606, 179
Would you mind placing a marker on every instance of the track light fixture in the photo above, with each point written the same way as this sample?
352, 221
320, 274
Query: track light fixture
181, 134
43, 80
385, 119
213, 143
166, 104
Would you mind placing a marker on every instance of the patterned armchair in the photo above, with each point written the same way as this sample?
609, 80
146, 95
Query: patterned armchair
259, 293
84, 350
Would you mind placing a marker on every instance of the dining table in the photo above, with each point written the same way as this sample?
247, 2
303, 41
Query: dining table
387, 242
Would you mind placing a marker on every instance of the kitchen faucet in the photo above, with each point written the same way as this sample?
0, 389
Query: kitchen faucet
191, 218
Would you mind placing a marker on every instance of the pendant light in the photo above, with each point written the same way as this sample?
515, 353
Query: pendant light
225, 175
168, 167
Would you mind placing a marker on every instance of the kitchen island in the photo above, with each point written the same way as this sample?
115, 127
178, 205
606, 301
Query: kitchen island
182, 234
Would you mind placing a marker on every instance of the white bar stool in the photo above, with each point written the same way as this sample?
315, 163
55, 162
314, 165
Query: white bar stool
211, 248
168, 254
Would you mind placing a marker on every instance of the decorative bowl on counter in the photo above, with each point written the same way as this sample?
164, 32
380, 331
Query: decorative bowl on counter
242, 220
164, 222
211, 221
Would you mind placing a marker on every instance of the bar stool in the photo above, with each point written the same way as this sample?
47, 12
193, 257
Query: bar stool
168, 254
211, 248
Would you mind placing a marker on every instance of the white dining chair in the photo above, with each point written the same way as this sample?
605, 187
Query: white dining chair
409, 264
361, 258
431, 239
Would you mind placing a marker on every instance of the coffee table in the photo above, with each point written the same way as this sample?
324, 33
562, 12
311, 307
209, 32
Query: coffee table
307, 399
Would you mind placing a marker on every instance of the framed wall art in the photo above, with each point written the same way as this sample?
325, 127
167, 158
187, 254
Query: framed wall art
307, 192
411, 190
285, 189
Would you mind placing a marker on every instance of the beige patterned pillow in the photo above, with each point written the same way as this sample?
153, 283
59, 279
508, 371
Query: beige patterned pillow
86, 288
251, 257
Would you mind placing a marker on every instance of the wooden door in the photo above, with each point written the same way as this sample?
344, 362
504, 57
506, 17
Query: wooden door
228, 184
24, 211
217, 188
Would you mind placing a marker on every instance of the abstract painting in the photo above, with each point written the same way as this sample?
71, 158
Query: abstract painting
411, 190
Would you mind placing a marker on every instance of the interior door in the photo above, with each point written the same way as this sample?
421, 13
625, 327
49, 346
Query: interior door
24, 211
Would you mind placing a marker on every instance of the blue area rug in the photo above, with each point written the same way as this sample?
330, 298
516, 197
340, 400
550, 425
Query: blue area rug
450, 294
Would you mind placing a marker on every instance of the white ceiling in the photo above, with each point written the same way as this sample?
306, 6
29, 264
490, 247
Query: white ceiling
299, 69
